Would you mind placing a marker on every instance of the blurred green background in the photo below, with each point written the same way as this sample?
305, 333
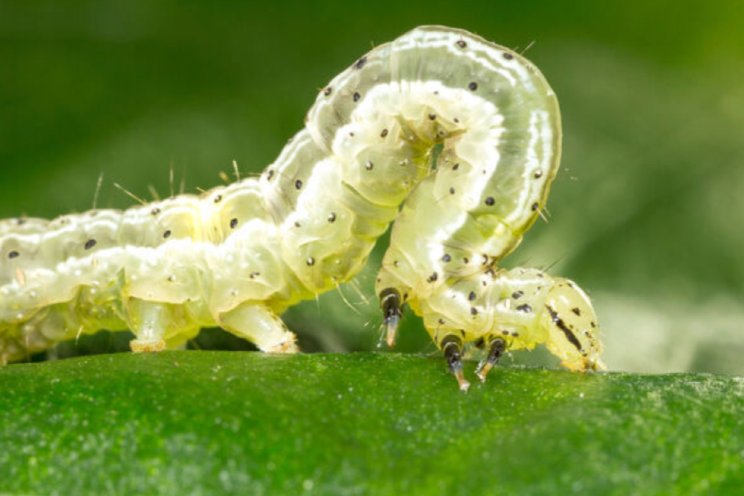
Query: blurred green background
646, 213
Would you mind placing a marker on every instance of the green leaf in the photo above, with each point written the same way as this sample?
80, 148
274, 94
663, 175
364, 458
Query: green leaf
365, 423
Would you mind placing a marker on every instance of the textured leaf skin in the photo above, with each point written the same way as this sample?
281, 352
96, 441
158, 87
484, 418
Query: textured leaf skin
198, 422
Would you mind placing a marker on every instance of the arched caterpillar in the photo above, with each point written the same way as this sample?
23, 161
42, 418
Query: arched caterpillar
454, 138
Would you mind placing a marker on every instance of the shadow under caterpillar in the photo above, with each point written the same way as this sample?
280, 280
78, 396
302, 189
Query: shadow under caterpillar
454, 139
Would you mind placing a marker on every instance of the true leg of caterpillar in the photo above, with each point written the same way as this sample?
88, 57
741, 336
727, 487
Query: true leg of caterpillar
496, 349
390, 303
452, 348
258, 324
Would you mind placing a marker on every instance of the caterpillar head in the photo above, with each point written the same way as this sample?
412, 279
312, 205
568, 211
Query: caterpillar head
571, 325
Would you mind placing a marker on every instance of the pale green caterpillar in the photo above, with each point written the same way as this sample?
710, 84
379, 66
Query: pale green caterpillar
454, 138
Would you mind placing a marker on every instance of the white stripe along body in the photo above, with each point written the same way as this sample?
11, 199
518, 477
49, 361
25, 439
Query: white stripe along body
454, 138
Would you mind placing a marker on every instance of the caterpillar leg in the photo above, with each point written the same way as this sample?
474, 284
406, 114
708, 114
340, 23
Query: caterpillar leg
139, 346
496, 349
391, 310
452, 348
149, 322
258, 324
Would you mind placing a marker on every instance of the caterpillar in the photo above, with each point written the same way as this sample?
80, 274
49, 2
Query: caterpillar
454, 139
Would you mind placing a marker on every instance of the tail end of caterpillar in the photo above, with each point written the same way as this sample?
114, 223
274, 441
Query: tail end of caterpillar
390, 304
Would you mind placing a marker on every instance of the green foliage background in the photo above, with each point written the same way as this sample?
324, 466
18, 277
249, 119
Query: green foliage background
181, 422
646, 214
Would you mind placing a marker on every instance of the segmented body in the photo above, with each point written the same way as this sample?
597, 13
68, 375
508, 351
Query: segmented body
454, 138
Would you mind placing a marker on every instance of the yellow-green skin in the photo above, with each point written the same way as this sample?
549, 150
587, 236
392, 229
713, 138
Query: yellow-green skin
463, 134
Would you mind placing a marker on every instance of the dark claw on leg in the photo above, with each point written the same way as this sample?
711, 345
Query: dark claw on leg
390, 303
452, 348
494, 353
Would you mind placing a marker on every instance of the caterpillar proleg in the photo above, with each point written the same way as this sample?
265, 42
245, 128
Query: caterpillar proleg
454, 139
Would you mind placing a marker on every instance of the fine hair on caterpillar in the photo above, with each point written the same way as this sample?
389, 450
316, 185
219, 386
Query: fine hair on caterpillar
237, 256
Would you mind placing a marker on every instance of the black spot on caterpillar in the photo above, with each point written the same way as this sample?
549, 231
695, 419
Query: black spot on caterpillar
239, 255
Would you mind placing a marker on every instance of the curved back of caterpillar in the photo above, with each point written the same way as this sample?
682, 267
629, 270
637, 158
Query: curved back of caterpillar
238, 256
